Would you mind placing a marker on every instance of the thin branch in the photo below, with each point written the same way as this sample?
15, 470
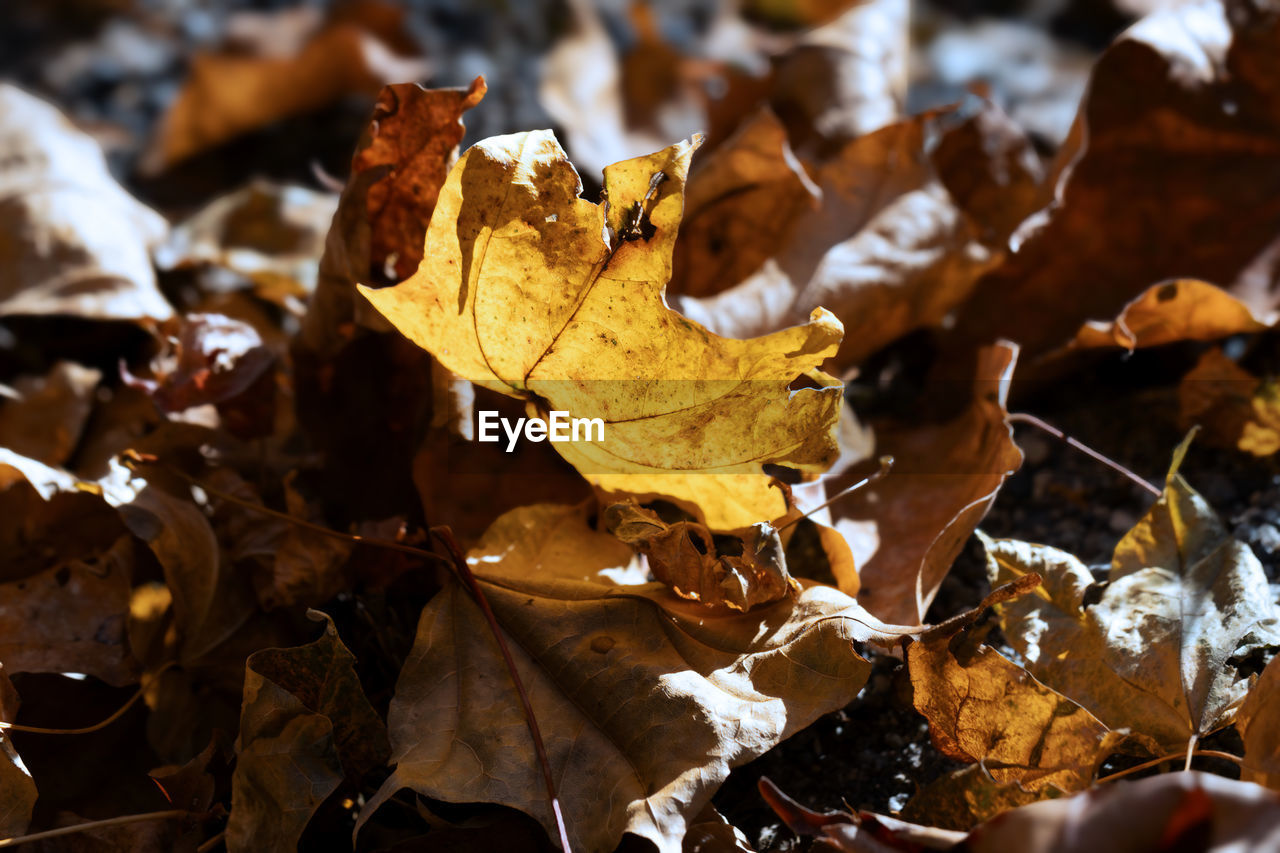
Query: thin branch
1146, 765
172, 814
886, 463
36, 730
445, 535
1023, 418
133, 458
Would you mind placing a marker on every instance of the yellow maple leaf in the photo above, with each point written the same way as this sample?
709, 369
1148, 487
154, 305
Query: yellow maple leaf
529, 290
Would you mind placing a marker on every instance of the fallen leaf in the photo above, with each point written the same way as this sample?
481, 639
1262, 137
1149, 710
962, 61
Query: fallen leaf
644, 700
305, 724
1259, 729
795, 13
906, 530
74, 242
491, 302
688, 558
17, 788
1185, 310
1178, 109
1152, 652
230, 93
45, 416
272, 234
711, 833
1226, 401
1172, 811
888, 250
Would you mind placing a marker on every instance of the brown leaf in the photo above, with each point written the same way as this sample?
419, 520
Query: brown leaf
304, 725
284, 74
906, 530
74, 242
644, 700
45, 415
689, 559
1217, 395
1153, 652
1260, 729
17, 788
1179, 151
888, 251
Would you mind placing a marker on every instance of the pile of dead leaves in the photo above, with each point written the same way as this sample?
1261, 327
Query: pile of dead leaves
267, 583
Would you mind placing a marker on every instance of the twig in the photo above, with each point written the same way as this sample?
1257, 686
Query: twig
445, 535
1022, 417
36, 730
132, 458
886, 462
1197, 753
95, 824
1191, 748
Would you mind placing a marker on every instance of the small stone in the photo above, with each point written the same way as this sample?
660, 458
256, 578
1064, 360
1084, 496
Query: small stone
1121, 520
1267, 537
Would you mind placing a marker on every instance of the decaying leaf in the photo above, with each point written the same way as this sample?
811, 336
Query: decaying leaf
888, 249
1178, 108
17, 788
906, 530
644, 700
1174, 811
71, 240
1151, 651
982, 707
531, 291
1260, 728
295, 63
686, 557
305, 724
45, 415
272, 234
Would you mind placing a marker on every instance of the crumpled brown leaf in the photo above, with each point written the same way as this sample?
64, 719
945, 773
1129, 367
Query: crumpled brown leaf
1172, 811
291, 63
304, 726
45, 415
1231, 406
982, 707
72, 241
1178, 151
906, 530
887, 250
686, 557
1153, 652
644, 700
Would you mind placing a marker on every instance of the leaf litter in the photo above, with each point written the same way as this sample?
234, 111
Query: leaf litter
278, 422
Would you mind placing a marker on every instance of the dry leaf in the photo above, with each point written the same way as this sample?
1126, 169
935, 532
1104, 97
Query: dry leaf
1233, 407
531, 291
906, 530
272, 234
283, 74
1172, 180
1173, 811
1152, 651
73, 242
45, 415
644, 700
1260, 729
887, 250
17, 788
687, 557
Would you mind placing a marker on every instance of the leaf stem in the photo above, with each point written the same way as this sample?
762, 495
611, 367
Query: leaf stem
886, 463
120, 712
133, 458
1190, 753
95, 824
1024, 418
468, 580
